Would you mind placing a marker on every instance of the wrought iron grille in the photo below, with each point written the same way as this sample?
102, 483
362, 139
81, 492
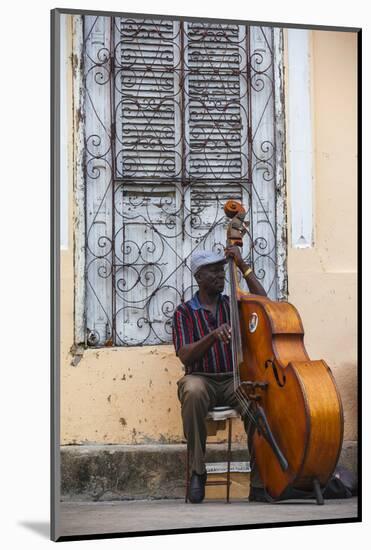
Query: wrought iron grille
179, 118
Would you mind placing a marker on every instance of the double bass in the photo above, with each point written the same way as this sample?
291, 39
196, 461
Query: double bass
292, 401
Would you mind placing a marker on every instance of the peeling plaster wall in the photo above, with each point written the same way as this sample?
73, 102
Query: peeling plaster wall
122, 396
128, 395
323, 279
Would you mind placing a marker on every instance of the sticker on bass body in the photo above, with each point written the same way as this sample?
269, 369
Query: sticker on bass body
253, 322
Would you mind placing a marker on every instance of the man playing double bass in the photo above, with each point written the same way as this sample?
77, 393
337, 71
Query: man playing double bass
201, 336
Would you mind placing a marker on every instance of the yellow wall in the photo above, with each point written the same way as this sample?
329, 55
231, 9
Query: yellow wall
322, 279
118, 395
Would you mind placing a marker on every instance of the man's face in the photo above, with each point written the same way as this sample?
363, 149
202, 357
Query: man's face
212, 277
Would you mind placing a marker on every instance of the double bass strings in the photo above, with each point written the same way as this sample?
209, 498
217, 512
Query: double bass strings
237, 345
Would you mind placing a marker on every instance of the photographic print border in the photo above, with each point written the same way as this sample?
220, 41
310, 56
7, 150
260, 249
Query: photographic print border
56, 283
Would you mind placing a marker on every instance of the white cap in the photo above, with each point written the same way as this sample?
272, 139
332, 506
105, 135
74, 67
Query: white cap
205, 257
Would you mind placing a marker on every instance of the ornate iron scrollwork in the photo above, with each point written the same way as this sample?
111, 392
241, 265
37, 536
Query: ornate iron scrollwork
179, 118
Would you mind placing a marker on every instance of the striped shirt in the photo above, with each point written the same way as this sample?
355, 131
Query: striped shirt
191, 322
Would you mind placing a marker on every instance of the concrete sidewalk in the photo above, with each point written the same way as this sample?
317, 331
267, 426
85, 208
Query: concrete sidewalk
82, 518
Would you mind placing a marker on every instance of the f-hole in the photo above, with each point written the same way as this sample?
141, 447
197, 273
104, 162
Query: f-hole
270, 363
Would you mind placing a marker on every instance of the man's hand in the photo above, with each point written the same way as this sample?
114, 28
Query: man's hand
223, 333
189, 353
254, 285
235, 253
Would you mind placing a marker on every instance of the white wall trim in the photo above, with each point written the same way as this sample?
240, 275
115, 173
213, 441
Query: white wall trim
63, 138
300, 139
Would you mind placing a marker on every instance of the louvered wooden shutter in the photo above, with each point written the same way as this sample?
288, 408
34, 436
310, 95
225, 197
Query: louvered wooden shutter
147, 112
216, 110
148, 165
217, 102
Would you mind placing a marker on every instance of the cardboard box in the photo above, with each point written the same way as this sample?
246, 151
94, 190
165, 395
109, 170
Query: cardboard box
239, 477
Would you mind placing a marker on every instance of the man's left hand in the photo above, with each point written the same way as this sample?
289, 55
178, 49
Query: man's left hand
235, 253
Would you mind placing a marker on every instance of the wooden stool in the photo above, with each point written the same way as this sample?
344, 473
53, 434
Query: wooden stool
217, 414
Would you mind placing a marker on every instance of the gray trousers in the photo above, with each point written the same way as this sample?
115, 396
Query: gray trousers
198, 393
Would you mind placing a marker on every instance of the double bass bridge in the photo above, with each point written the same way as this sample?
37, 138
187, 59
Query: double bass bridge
253, 389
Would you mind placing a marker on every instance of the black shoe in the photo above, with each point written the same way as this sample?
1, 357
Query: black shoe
197, 488
258, 494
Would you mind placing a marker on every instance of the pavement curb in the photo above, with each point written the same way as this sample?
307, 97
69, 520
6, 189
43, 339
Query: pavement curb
132, 472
